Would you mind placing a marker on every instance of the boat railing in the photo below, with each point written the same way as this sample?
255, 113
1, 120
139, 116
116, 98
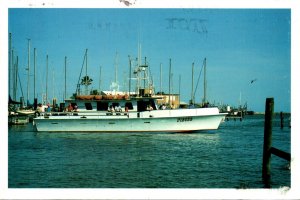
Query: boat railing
133, 114
81, 113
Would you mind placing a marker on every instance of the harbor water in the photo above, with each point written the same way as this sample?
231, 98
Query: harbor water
230, 157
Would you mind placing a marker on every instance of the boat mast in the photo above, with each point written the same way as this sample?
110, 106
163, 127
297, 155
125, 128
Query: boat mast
34, 70
205, 83
139, 53
116, 67
16, 78
52, 86
9, 64
192, 94
28, 69
129, 76
65, 96
46, 99
11, 74
139, 64
100, 79
179, 87
160, 78
145, 65
86, 67
170, 83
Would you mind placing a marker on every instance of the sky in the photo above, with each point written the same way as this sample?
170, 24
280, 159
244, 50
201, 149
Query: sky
240, 45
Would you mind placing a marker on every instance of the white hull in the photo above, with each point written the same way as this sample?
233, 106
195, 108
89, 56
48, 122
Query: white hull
18, 120
184, 120
26, 112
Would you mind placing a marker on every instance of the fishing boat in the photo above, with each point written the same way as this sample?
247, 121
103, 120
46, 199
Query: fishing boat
128, 112
15, 119
137, 114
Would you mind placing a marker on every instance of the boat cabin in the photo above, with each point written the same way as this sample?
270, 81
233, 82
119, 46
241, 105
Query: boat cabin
137, 104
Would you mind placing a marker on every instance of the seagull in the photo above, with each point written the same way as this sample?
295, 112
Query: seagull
127, 3
252, 81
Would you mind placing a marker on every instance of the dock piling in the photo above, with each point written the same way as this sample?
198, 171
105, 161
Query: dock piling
269, 110
268, 150
281, 120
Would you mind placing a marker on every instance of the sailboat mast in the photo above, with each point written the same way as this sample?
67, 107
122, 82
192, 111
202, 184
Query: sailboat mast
192, 94
86, 62
100, 79
11, 74
86, 80
9, 65
129, 76
116, 68
16, 78
28, 75
179, 87
145, 76
34, 70
139, 53
205, 83
170, 69
46, 99
160, 78
65, 96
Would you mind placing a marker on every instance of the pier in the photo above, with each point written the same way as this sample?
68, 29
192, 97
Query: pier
229, 117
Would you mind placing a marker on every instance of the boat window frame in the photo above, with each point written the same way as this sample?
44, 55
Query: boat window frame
115, 104
129, 105
102, 105
88, 106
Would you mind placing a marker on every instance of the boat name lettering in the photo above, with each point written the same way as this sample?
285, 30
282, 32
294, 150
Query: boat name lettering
184, 119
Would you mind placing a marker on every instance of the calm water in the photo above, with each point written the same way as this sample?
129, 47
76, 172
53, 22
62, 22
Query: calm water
230, 157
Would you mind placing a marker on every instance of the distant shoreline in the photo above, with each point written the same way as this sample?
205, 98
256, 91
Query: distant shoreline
276, 113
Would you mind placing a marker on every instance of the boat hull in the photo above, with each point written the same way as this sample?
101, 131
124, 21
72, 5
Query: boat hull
18, 120
134, 122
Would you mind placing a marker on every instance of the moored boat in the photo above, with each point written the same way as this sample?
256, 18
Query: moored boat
134, 116
117, 111
15, 119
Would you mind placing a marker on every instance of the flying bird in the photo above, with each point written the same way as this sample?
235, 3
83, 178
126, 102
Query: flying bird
252, 81
127, 3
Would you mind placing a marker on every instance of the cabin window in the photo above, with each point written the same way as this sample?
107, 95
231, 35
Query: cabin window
142, 106
152, 103
129, 105
115, 104
102, 106
88, 106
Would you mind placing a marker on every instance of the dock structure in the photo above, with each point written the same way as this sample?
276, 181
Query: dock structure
238, 116
268, 150
229, 117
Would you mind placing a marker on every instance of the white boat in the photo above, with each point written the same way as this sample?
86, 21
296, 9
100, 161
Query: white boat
128, 112
15, 119
97, 118
26, 112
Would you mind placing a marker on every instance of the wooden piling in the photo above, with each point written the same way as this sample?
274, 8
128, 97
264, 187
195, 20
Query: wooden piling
281, 120
266, 173
281, 154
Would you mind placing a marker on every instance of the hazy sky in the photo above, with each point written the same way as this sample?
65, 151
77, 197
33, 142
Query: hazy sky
240, 45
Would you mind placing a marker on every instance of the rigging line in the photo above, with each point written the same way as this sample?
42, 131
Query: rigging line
151, 81
78, 85
20, 84
150, 75
198, 79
